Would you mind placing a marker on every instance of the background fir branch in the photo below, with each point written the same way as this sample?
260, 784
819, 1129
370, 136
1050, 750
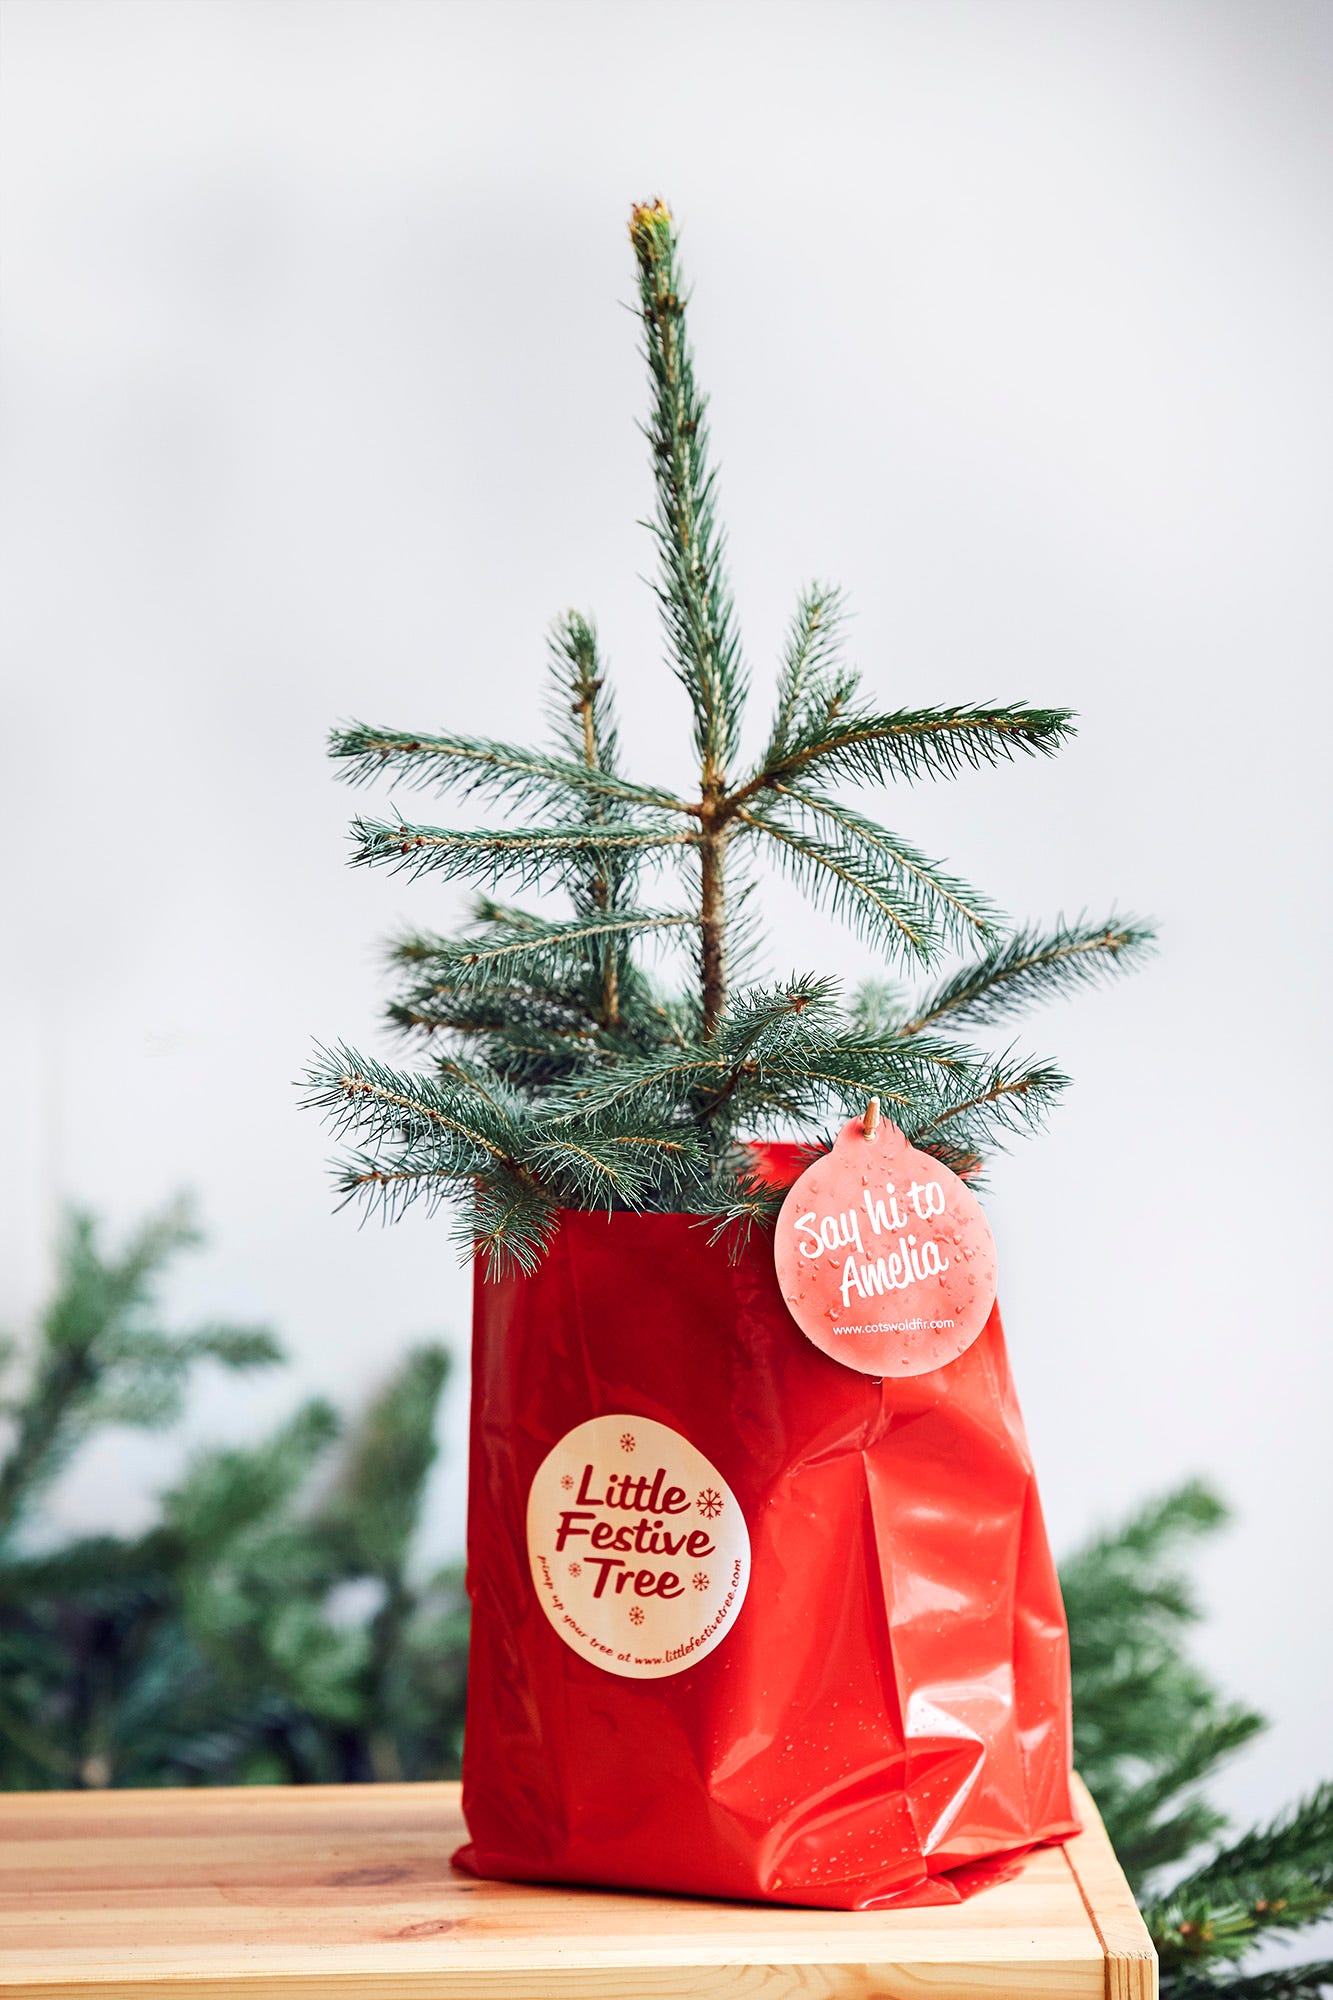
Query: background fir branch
212, 1649
1129, 1603
876, 1008
1274, 1878
1150, 1730
103, 1357
1244, 1864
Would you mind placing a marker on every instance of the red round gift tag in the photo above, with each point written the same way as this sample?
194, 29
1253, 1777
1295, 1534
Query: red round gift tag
884, 1256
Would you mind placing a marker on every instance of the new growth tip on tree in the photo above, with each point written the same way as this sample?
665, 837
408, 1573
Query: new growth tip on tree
563, 1073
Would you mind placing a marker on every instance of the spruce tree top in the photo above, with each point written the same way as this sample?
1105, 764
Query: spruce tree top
561, 1072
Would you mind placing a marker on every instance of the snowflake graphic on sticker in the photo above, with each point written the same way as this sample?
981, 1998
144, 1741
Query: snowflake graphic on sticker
700, 1579
568, 1482
627, 1440
576, 1569
709, 1503
636, 1614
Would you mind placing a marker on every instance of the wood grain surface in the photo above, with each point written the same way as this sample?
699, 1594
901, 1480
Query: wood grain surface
347, 1892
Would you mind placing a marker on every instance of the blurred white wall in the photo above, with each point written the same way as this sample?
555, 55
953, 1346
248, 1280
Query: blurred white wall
321, 401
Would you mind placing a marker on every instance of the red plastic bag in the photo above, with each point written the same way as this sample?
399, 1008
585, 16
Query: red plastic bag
834, 1673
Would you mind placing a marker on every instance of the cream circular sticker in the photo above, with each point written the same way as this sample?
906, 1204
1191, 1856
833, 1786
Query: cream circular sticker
640, 1553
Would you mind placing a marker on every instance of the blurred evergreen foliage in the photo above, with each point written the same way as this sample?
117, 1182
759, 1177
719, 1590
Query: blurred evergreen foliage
272, 1627
1150, 1731
269, 1627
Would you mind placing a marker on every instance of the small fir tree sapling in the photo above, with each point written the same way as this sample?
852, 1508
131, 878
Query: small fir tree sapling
564, 1074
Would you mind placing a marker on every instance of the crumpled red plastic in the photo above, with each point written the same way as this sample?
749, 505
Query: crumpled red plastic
888, 1717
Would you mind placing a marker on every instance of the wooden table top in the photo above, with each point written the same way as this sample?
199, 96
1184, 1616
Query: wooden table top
347, 1893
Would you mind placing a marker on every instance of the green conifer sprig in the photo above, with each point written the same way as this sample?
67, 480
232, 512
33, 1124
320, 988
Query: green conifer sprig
911, 743
463, 1128
810, 662
497, 770
504, 854
1031, 965
587, 1078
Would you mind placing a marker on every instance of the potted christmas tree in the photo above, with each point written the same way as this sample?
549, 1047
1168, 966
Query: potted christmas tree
754, 1614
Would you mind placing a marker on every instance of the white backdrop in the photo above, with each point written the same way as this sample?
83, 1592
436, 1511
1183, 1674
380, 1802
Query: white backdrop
322, 401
